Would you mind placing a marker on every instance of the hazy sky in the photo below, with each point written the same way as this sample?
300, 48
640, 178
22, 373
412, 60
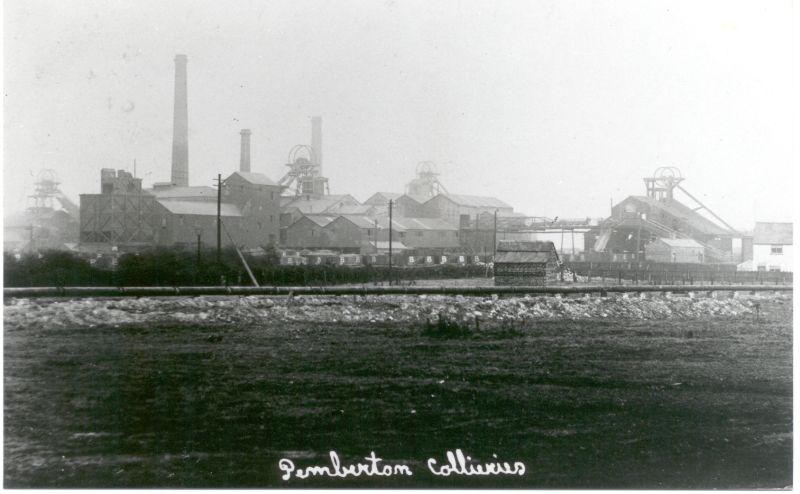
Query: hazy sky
553, 106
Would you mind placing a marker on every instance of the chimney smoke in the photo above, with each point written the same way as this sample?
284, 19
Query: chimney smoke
244, 157
180, 127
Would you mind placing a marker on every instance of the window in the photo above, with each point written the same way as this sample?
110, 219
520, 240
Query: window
776, 250
271, 196
775, 268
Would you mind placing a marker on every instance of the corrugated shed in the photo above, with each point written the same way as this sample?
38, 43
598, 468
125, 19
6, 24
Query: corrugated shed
522, 257
773, 233
255, 178
201, 208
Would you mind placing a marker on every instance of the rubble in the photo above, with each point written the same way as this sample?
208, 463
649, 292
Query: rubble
22, 313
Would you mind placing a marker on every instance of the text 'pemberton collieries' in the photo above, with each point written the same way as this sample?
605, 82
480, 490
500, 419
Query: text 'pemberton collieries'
456, 463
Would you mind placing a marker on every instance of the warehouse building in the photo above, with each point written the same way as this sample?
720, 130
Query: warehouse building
127, 217
421, 234
526, 263
455, 209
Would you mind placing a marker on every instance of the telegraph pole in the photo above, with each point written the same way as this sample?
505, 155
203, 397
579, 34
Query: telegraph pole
219, 218
390, 241
494, 237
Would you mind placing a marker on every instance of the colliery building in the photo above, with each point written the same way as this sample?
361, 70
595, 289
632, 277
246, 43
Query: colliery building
126, 216
658, 217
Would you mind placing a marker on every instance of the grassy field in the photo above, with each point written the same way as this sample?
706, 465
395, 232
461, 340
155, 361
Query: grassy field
678, 403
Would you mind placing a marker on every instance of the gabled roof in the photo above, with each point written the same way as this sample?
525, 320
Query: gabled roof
202, 208
475, 201
681, 242
202, 191
689, 215
773, 233
255, 178
379, 198
525, 246
320, 219
359, 220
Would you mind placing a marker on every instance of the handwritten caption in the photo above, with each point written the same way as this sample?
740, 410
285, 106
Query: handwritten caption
455, 463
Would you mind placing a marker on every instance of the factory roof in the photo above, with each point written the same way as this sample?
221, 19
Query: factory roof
255, 178
320, 219
201, 191
379, 198
773, 233
360, 221
526, 246
476, 201
693, 218
201, 208
681, 242
403, 224
522, 257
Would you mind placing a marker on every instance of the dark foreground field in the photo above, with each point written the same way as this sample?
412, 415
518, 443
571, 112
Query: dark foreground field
588, 403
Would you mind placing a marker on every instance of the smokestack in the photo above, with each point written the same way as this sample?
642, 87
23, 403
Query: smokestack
244, 160
180, 126
316, 141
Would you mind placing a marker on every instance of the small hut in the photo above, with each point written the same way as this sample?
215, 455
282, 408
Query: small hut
525, 263
684, 250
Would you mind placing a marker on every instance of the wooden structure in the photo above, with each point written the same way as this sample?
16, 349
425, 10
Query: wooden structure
525, 263
682, 250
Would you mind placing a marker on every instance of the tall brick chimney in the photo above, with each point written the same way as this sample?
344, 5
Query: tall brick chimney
316, 141
180, 127
244, 159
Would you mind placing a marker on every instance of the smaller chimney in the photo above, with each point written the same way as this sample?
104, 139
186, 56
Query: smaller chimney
244, 160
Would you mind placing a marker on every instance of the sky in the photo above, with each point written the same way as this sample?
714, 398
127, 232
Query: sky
556, 107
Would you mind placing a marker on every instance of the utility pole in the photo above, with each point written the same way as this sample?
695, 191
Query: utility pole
390, 241
494, 239
219, 218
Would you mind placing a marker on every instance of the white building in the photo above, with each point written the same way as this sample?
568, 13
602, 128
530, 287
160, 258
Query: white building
772, 247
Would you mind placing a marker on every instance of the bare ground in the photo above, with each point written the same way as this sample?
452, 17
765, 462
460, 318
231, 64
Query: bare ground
678, 402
